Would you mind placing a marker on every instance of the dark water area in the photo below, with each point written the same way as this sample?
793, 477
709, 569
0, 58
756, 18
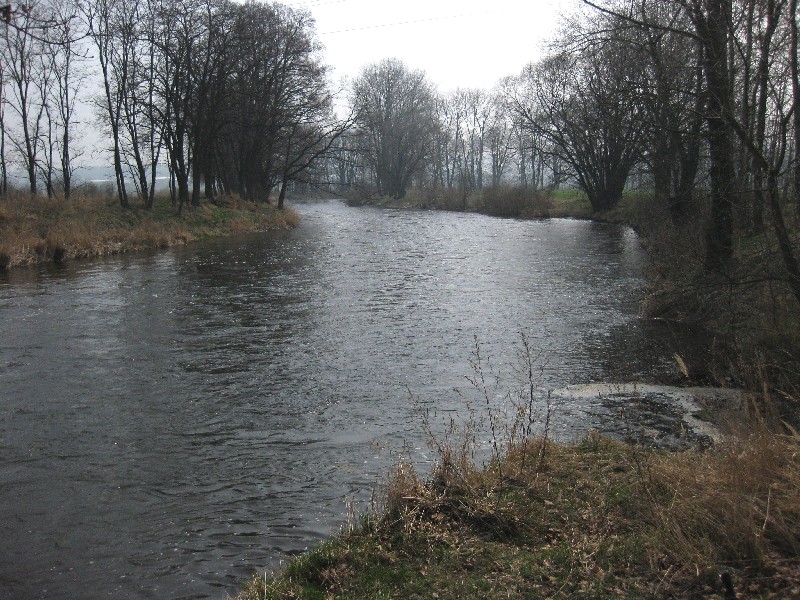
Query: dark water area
173, 422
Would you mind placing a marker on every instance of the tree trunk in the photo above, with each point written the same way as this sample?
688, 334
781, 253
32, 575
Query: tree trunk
196, 180
795, 71
66, 162
114, 122
790, 262
3, 165
719, 235
282, 194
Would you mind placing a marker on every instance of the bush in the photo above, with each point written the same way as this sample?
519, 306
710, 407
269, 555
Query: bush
361, 194
515, 202
440, 198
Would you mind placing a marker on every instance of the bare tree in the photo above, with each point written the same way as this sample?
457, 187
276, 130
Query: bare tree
395, 108
584, 105
275, 106
474, 108
500, 135
794, 70
447, 137
135, 86
304, 127
65, 58
208, 71
102, 19
674, 99
750, 104
29, 84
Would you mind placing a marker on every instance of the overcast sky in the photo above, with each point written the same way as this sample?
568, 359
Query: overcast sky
458, 43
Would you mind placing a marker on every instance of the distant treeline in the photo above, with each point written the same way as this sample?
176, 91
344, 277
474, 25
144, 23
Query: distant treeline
232, 97
698, 100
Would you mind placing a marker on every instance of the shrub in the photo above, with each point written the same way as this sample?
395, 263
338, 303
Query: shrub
515, 202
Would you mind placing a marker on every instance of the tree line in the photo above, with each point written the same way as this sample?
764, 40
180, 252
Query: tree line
231, 97
698, 99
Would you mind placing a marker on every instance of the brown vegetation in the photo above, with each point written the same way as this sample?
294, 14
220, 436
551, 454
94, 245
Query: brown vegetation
597, 519
749, 309
35, 230
515, 201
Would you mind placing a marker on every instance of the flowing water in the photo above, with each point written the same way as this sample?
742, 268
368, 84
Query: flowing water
173, 422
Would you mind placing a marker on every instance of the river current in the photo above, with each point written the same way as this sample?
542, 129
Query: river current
173, 422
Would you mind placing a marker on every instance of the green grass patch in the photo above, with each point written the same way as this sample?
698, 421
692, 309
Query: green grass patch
570, 203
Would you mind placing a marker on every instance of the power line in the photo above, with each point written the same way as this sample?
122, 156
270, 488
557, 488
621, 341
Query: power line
414, 22
315, 3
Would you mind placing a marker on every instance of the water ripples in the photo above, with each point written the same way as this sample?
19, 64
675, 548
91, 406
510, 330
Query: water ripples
173, 421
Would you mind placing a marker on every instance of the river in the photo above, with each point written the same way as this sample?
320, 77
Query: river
174, 421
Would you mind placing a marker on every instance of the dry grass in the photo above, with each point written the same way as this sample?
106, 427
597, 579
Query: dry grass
738, 506
601, 519
36, 230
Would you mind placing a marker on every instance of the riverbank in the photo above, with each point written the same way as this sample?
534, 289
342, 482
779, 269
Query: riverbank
598, 519
507, 201
38, 230
512, 202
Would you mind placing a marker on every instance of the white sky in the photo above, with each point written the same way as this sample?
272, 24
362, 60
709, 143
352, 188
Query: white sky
466, 43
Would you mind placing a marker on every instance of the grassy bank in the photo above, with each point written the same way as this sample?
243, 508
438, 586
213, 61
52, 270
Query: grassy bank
598, 519
506, 201
37, 230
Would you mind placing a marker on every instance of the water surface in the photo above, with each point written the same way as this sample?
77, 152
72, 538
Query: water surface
172, 422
